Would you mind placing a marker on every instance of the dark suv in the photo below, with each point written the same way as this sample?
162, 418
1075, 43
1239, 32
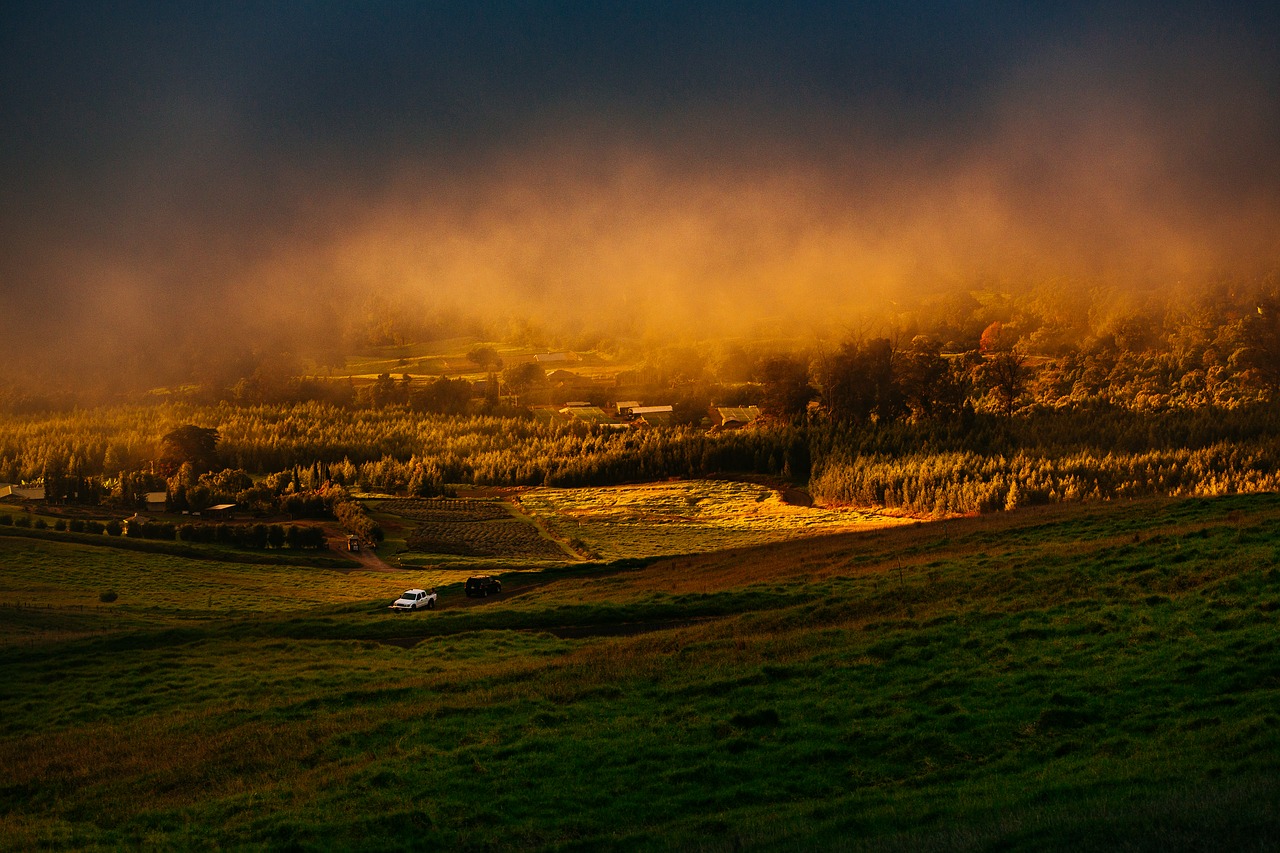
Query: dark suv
480, 586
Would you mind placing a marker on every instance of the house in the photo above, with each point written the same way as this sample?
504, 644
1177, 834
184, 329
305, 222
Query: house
733, 417
156, 501
624, 407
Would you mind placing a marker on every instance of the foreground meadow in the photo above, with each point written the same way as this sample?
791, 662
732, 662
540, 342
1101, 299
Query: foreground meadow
1059, 678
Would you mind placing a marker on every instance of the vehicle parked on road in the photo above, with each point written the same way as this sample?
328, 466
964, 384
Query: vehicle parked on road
415, 599
480, 586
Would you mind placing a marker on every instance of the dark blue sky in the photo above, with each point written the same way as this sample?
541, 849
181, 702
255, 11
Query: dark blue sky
91, 88
166, 149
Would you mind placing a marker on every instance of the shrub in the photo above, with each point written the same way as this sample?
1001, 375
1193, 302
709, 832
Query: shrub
256, 536
22, 521
41, 524
108, 596
6, 519
76, 525
60, 525
111, 528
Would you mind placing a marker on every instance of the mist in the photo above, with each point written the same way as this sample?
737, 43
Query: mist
1085, 158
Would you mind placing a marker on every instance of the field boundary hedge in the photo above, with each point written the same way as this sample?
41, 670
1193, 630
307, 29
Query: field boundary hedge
154, 546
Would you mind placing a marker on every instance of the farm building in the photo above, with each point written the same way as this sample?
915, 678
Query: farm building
734, 417
156, 501
554, 357
222, 511
652, 415
25, 493
624, 407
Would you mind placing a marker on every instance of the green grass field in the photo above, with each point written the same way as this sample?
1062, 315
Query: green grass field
1092, 677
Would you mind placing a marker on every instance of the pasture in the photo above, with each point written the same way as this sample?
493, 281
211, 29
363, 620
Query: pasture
1060, 678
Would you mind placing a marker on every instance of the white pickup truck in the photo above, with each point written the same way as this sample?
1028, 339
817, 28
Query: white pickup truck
415, 599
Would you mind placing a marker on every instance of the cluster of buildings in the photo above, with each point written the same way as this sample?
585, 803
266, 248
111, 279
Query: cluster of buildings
631, 414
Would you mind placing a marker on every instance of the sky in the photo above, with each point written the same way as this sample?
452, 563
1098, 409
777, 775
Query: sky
202, 176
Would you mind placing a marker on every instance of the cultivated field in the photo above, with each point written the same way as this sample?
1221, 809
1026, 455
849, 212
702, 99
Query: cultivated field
686, 517
468, 534
1059, 678
536, 528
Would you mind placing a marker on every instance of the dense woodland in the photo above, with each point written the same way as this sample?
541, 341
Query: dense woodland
954, 417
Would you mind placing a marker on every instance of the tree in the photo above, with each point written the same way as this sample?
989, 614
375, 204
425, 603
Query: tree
929, 384
444, 397
1006, 374
191, 444
485, 357
787, 391
859, 382
522, 377
1259, 344
993, 339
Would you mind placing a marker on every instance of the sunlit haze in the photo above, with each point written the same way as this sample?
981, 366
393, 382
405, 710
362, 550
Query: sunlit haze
185, 181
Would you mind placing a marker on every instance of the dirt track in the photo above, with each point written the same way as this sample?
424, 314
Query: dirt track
368, 559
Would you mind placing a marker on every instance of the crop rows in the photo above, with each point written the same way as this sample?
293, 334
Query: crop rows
446, 509
482, 539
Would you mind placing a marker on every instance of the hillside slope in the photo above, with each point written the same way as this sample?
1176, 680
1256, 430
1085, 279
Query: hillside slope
1062, 678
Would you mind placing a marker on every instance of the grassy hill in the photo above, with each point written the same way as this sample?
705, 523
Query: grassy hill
1069, 677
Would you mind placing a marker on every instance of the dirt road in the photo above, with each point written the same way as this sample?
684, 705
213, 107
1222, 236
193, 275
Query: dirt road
367, 558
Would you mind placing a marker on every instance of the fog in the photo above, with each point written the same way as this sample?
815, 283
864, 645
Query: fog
1089, 162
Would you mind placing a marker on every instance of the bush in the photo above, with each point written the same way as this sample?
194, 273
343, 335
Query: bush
108, 596
41, 524
22, 521
6, 520
60, 525
76, 525
111, 528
